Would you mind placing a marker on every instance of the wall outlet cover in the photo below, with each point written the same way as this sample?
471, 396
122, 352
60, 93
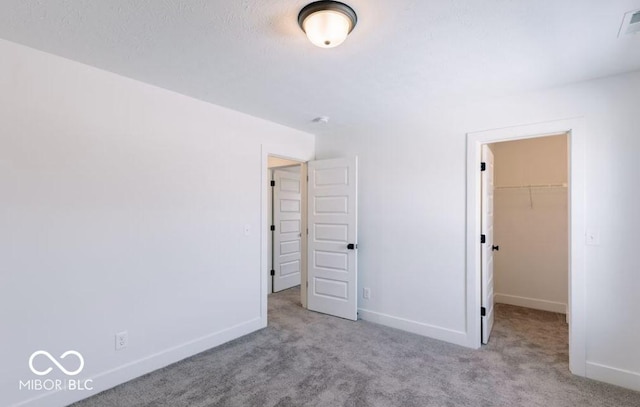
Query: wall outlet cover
122, 340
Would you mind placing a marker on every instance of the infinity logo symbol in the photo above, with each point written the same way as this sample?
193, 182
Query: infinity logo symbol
55, 362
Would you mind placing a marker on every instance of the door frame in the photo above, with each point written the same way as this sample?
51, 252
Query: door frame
290, 152
574, 128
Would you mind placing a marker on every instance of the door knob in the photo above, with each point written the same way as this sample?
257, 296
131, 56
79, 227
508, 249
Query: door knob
494, 248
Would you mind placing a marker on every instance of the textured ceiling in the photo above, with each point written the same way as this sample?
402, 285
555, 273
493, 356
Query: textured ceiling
403, 58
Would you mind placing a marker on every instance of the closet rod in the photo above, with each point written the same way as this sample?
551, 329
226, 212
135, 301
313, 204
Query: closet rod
563, 185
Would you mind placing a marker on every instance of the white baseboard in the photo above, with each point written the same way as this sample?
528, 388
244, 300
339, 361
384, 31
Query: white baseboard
612, 375
534, 303
420, 328
124, 373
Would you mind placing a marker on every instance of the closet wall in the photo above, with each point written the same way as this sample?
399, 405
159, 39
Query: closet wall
531, 223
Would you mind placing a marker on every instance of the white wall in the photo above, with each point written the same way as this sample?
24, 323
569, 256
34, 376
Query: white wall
531, 224
123, 207
412, 213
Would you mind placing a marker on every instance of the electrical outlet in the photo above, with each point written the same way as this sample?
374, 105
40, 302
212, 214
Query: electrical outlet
366, 293
122, 340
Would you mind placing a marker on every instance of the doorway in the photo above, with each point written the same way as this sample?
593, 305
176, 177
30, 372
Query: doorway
529, 240
288, 152
576, 301
329, 237
286, 224
531, 223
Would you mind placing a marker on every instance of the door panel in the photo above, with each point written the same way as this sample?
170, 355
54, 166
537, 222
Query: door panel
332, 226
288, 230
486, 249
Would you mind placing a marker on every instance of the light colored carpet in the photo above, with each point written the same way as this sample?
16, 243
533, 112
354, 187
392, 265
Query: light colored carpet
309, 359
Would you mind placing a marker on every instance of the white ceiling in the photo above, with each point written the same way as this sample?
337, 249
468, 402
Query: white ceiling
403, 57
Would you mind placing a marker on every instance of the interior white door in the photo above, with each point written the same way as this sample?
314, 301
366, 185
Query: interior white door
333, 237
487, 246
287, 236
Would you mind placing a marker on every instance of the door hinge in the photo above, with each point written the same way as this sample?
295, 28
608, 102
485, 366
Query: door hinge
483, 238
483, 312
273, 272
483, 166
273, 229
307, 284
307, 178
273, 183
307, 231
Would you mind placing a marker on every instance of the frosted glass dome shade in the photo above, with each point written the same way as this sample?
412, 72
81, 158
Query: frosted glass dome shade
327, 29
327, 23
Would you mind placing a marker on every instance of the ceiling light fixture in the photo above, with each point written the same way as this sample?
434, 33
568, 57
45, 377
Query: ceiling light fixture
327, 23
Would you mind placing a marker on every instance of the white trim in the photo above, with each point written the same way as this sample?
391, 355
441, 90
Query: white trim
129, 371
420, 328
290, 152
535, 303
612, 375
574, 127
304, 270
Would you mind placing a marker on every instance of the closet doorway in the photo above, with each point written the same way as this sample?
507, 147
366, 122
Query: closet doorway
530, 223
476, 299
